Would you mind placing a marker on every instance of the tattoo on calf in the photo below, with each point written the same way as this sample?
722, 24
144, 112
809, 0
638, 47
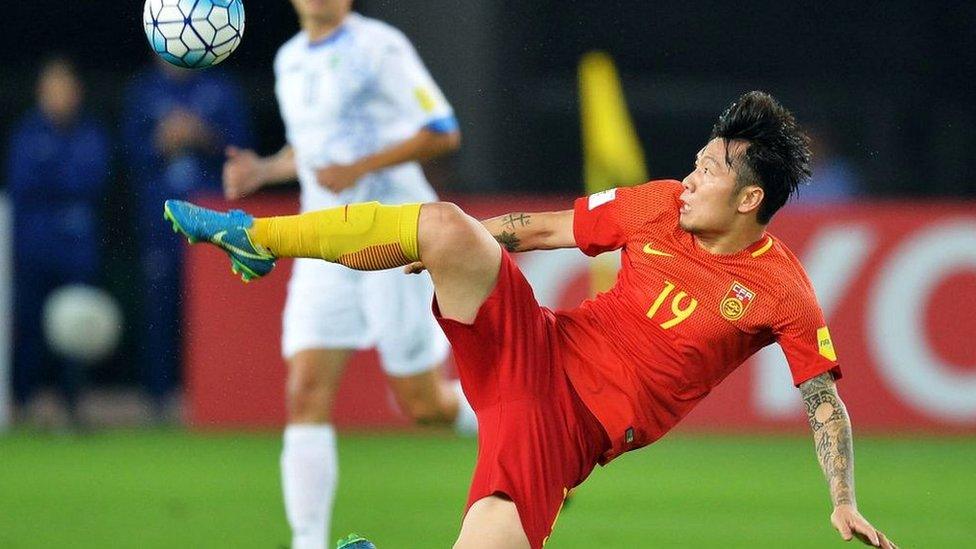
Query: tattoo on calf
508, 240
832, 436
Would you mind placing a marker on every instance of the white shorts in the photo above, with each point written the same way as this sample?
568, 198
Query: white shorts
332, 307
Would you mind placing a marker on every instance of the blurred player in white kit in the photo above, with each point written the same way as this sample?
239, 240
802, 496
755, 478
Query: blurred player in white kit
360, 109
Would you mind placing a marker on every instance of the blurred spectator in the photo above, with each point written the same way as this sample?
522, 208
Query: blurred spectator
57, 168
834, 178
176, 125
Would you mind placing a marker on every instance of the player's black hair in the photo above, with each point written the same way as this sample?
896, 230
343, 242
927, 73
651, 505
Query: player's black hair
778, 156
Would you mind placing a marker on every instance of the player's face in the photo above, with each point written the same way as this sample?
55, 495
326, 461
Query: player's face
323, 11
708, 201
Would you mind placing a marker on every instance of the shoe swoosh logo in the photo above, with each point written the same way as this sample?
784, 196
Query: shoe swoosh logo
218, 239
651, 251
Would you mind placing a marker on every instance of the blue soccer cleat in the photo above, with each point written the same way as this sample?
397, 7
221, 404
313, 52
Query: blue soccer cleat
354, 541
226, 230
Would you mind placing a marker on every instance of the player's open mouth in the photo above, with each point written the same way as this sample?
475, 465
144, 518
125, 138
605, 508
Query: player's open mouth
685, 208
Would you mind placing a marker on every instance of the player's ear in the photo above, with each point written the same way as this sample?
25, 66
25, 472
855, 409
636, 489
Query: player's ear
750, 197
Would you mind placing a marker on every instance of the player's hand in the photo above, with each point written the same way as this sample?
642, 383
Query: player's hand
849, 522
338, 177
243, 173
416, 267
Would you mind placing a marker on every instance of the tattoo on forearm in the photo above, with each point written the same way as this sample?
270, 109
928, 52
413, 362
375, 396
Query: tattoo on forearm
513, 220
508, 240
832, 436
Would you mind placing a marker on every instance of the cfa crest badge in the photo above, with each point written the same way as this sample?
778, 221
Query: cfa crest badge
736, 301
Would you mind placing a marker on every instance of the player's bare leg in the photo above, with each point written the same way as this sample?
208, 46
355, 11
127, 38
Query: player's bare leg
426, 398
462, 257
492, 523
313, 378
309, 460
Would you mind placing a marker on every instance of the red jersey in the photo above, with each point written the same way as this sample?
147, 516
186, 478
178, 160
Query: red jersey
679, 319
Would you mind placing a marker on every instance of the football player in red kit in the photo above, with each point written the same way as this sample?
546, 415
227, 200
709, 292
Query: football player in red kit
702, 286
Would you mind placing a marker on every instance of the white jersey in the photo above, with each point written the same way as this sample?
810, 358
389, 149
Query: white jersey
354, 93
358, 91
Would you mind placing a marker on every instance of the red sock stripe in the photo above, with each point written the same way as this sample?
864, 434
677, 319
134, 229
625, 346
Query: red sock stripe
375, 258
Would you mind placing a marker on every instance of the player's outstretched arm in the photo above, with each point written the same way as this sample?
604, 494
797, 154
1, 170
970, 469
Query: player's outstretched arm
524, 232
834, 443
423, 145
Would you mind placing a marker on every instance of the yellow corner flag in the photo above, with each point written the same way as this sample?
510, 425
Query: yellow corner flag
612, 154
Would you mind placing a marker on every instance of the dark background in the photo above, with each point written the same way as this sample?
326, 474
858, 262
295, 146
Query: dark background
888, 83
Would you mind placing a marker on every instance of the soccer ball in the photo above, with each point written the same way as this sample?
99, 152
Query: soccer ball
82, 322
193, 34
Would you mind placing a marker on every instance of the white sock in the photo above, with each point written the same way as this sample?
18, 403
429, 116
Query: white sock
309, 474
465, 423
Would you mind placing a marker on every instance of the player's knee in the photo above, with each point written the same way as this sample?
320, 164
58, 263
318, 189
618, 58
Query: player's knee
305, 404
308, 398
441, 225
446, 233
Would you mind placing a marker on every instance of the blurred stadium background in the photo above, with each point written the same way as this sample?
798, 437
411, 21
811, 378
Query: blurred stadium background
887, 232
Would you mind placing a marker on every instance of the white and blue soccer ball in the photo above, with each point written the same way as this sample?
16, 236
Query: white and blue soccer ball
193, 34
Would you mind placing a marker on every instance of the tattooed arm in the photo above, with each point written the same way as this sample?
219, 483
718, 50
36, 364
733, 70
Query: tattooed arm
832, 436
522, 232
835, 450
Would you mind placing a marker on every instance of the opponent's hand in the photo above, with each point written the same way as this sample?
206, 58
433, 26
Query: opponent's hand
243, 173
338, 177
849, 522
416, 267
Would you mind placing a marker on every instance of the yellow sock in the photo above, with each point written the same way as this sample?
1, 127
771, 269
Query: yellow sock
366, 237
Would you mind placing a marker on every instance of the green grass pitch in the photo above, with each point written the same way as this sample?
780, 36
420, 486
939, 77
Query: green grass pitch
175, 489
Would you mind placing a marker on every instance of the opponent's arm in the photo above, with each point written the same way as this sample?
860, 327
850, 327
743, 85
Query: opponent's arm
422, 145
834, 443
523, 232
246, 172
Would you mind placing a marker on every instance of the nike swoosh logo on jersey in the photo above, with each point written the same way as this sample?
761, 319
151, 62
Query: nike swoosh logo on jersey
649, 250
218, 239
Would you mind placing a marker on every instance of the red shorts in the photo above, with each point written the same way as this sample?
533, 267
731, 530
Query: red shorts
536, 438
